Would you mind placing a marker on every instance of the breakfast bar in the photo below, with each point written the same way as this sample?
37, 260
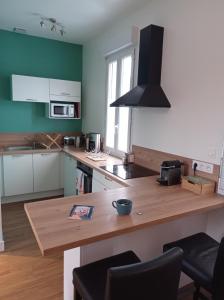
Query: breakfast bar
159, 215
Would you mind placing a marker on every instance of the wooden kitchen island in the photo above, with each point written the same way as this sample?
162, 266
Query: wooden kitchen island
166, 214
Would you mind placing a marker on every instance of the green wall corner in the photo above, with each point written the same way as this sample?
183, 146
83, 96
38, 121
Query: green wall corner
33, 56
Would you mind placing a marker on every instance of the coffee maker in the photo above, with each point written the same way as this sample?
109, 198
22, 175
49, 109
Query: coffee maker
170, 172
93, 142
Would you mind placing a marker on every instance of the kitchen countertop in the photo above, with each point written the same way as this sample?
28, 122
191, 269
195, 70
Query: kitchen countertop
158, 204
81, 156
77, 154
38, 150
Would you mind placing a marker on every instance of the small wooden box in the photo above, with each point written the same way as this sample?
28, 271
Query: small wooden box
198, 185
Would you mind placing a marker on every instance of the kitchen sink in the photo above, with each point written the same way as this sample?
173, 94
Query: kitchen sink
22, 148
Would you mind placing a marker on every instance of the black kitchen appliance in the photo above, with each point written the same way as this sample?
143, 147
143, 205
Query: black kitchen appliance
93, 142
129, 171
87, 177
69, 140
148, 92
170, 172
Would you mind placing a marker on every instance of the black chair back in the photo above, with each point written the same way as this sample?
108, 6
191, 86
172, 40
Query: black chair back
156, 280
218, 277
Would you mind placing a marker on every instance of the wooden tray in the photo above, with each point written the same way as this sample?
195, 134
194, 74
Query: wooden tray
198, 185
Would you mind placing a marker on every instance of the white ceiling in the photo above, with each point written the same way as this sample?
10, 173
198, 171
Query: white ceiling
82, 19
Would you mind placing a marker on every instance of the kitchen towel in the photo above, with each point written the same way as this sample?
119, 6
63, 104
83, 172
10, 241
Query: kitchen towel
79, 182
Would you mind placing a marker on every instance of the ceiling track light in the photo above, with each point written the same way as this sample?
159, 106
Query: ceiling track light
53, 25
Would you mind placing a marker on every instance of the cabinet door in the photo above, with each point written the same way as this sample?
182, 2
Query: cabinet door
1, 177
64, 90
46, 169
70, 165
62, 170
106, 181
18, 174
30, 89
98, 186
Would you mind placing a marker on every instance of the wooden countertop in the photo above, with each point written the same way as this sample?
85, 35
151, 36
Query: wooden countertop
32, 151
77, 154
81, 156
158, 204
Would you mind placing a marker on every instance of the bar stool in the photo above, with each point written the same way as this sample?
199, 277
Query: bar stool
123, 276
203, 262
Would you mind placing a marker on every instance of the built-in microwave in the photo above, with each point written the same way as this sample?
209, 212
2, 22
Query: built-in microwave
62, 110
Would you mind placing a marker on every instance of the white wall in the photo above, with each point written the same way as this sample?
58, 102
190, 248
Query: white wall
192, 78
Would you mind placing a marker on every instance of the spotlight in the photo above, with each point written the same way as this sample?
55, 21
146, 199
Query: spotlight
62, 32
42, 24
53, 28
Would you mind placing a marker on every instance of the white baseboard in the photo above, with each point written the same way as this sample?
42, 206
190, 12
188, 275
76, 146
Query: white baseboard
2, 246
32, 196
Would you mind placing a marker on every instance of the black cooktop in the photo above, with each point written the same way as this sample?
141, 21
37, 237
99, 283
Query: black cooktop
129, 171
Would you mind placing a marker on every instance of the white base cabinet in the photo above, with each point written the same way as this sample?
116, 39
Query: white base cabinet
98, 186
18, 174
46, 171
103, 183
70, 165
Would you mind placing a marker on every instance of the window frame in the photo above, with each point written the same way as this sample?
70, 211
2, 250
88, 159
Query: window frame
118, 56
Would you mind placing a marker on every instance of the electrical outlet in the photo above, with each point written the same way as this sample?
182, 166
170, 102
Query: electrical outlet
203, 166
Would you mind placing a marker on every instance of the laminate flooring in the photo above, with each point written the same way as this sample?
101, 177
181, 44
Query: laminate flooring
24, 273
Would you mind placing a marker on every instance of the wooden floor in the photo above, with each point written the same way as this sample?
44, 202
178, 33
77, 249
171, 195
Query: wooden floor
24, 273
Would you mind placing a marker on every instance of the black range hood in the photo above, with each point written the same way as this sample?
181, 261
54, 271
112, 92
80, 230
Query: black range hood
148, 92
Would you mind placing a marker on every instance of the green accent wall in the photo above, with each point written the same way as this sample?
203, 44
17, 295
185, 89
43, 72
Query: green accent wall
32, 56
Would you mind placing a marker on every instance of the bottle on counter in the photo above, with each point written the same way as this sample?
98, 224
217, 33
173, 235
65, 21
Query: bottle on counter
77, 143
128, 158
131, 158
125, 159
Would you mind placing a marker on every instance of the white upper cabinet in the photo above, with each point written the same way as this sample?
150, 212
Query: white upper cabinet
30, 89
64, 90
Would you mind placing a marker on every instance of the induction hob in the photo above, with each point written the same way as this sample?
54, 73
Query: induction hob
129, 171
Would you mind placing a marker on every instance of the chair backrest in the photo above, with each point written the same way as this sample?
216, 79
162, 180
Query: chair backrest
157, 279
218, 275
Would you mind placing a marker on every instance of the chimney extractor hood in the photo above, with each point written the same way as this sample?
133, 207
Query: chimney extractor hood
148, 92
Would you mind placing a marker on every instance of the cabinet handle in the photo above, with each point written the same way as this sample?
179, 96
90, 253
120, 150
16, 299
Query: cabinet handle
65, 94
32, 100
17, 155
45, 154
107, 178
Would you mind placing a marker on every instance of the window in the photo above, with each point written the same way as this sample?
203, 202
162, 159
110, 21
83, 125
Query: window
118, 119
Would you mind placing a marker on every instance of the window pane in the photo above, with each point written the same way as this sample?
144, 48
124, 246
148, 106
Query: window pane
126, 66
111, 97
123, 129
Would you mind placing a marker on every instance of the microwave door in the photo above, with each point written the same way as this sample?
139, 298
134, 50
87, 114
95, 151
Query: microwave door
59, 110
